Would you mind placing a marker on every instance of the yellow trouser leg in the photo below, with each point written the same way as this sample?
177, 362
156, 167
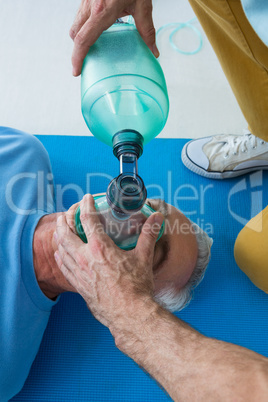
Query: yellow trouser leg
251, 250
244, 60
243, 57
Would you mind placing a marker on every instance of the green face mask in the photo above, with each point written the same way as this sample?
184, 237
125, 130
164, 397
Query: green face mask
123, 229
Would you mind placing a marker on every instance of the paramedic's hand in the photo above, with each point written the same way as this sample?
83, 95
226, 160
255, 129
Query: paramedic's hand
95, 16
117, 285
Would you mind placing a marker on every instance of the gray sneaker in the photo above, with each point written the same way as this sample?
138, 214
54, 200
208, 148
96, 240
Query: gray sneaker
225, 155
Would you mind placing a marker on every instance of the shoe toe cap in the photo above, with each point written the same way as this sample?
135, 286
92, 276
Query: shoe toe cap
194, 151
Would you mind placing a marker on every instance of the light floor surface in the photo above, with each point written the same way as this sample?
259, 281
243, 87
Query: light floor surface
39, 95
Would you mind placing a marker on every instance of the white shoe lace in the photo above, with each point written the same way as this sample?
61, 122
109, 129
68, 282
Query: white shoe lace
241, 142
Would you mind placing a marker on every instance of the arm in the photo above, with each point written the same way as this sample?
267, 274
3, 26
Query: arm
95, 16
118, 288
191, 366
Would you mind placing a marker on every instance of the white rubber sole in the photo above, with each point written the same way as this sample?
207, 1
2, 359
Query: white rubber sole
213, 174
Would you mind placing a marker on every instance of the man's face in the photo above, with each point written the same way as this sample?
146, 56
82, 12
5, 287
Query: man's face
176, 251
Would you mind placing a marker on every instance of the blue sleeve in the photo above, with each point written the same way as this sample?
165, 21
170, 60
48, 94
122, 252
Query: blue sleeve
26, 189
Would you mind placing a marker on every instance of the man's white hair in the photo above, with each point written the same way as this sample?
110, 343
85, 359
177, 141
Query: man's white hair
176, 300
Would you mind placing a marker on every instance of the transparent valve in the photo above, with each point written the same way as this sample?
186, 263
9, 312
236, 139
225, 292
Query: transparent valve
128, 163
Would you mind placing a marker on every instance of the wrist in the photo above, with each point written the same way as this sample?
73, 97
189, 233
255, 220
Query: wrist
50, 279
132, 333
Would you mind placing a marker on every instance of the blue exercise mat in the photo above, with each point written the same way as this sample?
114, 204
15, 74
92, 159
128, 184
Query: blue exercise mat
78, 360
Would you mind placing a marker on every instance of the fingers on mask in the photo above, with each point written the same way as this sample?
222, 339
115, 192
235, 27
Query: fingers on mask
89, 217
148, 237
70, 216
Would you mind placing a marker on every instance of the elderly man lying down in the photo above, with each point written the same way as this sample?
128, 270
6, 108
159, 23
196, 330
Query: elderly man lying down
30, 280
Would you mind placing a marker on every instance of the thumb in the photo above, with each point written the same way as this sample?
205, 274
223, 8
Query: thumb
149, 234
144, 23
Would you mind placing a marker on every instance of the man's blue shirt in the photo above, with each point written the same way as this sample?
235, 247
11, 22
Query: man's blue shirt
26, 194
